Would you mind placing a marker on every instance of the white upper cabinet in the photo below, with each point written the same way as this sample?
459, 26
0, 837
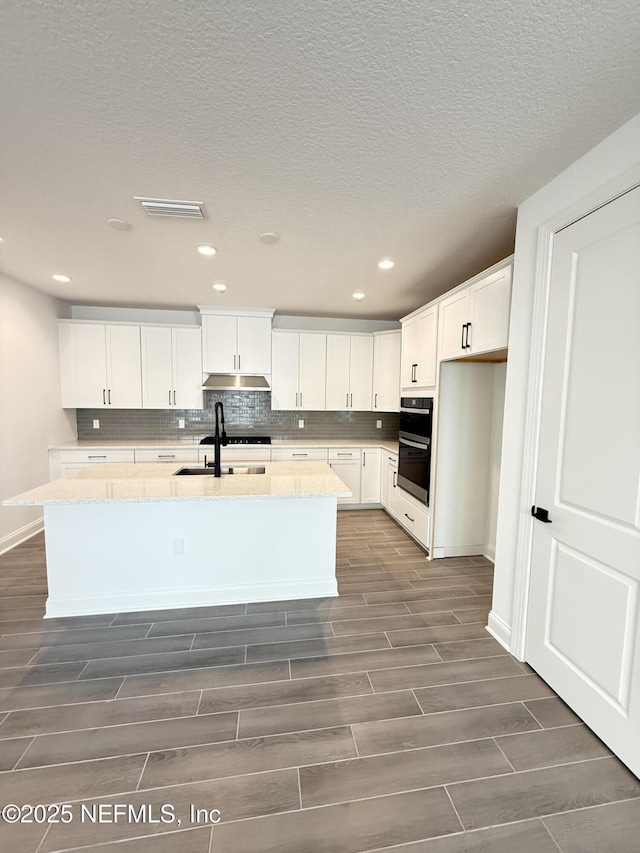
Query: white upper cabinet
349, 372
236, 342
386, 371
475, 319
100, 366
298, 371
419, 350
171, 368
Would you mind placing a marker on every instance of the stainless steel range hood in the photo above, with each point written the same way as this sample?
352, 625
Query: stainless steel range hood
234, 382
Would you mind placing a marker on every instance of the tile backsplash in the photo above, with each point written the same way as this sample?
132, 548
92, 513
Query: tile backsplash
245, 412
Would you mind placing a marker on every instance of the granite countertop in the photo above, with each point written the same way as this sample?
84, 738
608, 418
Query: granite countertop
155, 443
153, 482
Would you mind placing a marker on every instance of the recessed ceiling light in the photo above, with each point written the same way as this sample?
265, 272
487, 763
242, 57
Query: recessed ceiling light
63, 279
206, 249
358, 295
119, 224
220, 286
386, 264
269, 237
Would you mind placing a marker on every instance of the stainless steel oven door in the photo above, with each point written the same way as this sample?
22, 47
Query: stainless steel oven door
414, 468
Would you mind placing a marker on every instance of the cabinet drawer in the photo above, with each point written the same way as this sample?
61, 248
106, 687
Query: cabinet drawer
299, 454
168, 454
416, 520
344, 454
252, 453
95, 457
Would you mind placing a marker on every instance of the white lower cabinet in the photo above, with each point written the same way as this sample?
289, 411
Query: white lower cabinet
67, 463
413, 517
370, 484
388, 481
346, 463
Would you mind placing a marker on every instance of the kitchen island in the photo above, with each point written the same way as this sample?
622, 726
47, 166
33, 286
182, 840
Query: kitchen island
124, 537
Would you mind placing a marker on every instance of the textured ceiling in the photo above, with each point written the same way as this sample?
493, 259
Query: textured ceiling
354, 130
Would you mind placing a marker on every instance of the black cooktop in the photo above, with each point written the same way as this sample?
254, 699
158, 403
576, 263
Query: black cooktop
240, 439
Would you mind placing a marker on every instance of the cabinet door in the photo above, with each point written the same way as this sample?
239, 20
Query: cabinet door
313, 372
454, 313
489, 305
361, 373
254, 345
83, 364
124, 367
220, 343
386, 372
157, 378
284, 371
187, 368
338, 361
349, 473
409, 352
370, 476
427, 326
392, 484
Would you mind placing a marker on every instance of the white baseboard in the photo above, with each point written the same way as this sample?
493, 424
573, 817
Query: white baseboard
490, 553
459, 551
21, 535
179, 598
499, 630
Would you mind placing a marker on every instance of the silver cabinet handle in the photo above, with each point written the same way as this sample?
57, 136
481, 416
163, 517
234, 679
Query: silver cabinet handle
109, 396
234, 362
375, 404
174, 398
104, 396
166, 455
409, 517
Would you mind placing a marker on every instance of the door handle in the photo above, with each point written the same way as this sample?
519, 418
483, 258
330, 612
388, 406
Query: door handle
296, 399
375, 402
413, 372
364, 458
409, 517
464, 328
347, 400
541, 514
301, 399
468, 345
169, 396
234, 362
352, 401
395, 481
104, 396
109, 396
174, 398
238, 361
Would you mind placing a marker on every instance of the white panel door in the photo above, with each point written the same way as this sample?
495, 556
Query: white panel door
338, 359
583, 635
88, 366
157, 373
392, 485
312, 382
254, 345
409, 352
219, 343
370, 482
427, 335
284, 371
454, 314
386, 372
361, 373
187, 368
489, 304
124, 367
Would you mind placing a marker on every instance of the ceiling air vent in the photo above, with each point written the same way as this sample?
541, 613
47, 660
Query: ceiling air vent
169, 207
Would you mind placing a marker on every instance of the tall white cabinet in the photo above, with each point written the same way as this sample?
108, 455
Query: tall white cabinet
386, 371
100, 365
171, 367
299, 363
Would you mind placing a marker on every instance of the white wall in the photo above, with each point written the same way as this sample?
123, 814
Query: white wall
602, 174
497, 417
30, 413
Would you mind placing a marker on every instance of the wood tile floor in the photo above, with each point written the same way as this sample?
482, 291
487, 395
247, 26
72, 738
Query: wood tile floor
385, 719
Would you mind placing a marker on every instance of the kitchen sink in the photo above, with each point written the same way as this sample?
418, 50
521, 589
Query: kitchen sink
232, 469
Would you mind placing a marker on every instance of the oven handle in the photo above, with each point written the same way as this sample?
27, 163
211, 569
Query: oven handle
406, 441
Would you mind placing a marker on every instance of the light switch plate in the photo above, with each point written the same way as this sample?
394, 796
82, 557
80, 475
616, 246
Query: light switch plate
180, 423
378, 424
96, 423
300, 424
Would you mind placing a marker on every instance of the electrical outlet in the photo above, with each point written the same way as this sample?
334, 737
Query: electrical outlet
96, 423
180, 423
300, 424
378, 424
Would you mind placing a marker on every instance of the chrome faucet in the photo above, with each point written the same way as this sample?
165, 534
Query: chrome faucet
219, 439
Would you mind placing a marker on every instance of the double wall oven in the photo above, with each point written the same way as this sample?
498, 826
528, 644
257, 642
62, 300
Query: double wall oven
414, 460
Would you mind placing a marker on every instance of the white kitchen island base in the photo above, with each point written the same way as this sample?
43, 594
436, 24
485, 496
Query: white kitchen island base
124, 556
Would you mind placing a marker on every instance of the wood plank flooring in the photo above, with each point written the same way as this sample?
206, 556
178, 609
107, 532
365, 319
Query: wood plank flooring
386, 719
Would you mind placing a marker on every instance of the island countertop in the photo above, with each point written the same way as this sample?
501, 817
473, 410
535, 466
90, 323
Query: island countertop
154, 482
